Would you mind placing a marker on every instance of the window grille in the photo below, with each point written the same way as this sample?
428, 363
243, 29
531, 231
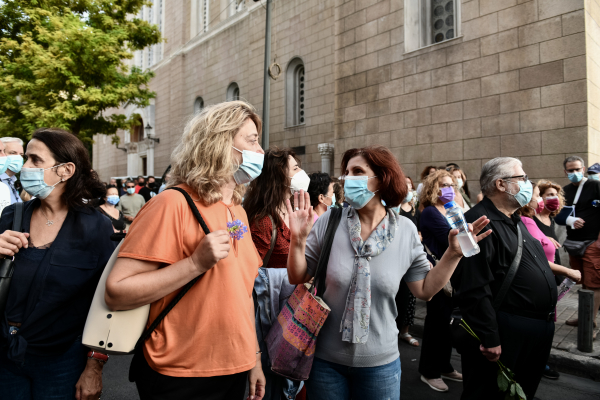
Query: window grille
295, 93
428, 22
198, 105
233, 92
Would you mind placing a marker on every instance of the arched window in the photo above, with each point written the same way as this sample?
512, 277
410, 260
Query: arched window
198, 105
233, 92
295, 86
137, 129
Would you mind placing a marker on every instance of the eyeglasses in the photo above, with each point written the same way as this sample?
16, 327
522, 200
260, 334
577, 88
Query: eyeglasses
570, 171
446, 185
522, 178
130, 187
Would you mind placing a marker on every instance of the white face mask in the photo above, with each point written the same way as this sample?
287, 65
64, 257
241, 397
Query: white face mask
300, 181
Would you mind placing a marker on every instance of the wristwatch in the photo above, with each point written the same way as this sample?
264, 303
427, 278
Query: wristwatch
101, 358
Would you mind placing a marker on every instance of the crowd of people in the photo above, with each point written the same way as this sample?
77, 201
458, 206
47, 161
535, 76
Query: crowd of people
393, 245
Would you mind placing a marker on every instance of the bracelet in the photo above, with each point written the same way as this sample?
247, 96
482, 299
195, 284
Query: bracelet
101, 358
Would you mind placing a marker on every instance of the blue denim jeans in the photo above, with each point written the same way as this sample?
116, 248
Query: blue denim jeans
335, 381
43, 377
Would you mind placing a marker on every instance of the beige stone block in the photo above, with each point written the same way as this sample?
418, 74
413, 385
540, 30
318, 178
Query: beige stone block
431, 133
362, 4
390, 21
431, 97
471, 128
521, 100
540, 31
524, 144
345, 69
574, 68
378, 75
391, 89
564, 47
498, 125
564, 93
541, 75
573, 23
441, 151
472, 169
378, 42
417, 117
366, 31
367, 95
404, 137
446, 75
416, 154
576, 114
470, 10
561, 141
464, 90
366, 127
490, 6
391, 54
545, 167
500, 42
356, 50
481, 67
378, 139
354, 82
479, 27
366, 62
481, 148
391, 122
551, 8
355, 113
543, 119
347, 130
517, 16
447, 113
432, 60
481, 107
378, 10
500, 83
355, 20
378, 108
417, 82
345, 100
346, 38
404, 68
520, 58
463, 52
403, 103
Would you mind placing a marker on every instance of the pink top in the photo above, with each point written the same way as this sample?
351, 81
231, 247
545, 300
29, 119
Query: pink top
533, 229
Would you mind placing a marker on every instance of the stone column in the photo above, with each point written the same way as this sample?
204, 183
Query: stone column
326, 150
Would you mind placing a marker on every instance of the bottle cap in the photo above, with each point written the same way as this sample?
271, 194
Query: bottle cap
449, 205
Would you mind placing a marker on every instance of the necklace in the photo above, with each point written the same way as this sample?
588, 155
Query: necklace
50, 222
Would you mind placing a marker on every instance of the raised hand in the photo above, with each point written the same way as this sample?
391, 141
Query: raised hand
474, 228
302, 217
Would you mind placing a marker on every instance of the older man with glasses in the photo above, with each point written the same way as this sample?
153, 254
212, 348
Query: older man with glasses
131, 203
13, 148
507, 292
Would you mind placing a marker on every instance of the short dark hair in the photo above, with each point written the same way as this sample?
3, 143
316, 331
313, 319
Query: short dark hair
129, 181
573, 159
65, 147
319, 184
393, 188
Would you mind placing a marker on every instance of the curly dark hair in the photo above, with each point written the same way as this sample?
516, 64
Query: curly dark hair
319, 184
271, 189
84, 186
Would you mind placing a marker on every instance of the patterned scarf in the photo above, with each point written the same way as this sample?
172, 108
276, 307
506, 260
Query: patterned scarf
355, 321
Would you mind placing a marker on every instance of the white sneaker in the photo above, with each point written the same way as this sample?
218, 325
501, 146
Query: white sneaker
453, 376
436, 384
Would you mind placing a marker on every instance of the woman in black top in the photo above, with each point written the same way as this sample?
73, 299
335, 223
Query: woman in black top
109, 210
544, 219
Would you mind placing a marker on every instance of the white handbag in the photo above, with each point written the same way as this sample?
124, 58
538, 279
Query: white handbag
113, 332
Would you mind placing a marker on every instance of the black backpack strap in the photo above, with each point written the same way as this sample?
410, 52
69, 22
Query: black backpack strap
184, 289
512, 271
321, 271
18, 217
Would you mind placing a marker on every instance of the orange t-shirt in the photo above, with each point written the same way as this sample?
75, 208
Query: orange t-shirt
210, 332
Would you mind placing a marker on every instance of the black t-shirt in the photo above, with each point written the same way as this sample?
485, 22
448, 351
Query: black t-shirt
146, 193
584, 210
550, 232
414, 218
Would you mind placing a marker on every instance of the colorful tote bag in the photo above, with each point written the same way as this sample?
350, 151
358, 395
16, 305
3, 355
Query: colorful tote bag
292, 339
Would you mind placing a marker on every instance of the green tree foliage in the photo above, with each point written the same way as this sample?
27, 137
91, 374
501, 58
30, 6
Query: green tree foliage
63, 65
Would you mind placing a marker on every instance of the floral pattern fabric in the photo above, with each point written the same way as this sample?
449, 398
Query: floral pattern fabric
355, 321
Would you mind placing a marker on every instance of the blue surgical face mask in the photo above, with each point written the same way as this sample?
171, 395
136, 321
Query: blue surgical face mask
397, 209
356, 191
15, 163
594, 177
3, 164
525, 193
32, 180
114, 199
332, 200
408, 198
250, 168
131, 190
575, 177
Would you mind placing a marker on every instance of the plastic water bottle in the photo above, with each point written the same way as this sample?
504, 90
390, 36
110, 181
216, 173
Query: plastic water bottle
564, 288
456, 219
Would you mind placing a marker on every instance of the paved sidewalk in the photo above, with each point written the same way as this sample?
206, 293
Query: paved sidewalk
565, 338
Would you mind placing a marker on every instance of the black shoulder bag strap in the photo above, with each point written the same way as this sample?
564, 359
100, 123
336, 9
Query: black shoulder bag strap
512, 271
321, 271
7, 265
140, 343
273, 240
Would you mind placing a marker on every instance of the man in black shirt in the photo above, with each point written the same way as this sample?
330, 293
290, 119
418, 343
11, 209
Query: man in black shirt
520, 330
584, 227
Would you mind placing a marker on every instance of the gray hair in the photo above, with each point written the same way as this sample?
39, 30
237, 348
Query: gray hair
129, 180
11, 140
498, 168
573, 159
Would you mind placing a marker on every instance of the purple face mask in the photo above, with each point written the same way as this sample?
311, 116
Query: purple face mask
447, 195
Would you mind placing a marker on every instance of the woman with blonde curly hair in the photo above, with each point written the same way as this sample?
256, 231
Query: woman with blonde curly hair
206, 346
552, 195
